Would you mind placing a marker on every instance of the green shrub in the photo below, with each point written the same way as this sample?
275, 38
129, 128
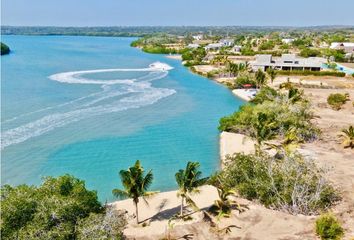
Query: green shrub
244, 79
308, 52
265, 94
195, 55
108, 225
286, 116
4, 49
328, 227
50, 211
289, 183
337, 100
266, 45
311, 73
157, 49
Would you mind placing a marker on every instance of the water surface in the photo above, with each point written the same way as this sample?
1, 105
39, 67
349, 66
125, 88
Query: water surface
108, 119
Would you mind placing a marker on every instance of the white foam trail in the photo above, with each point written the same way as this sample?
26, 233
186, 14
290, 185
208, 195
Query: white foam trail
50, 108
62, 78
141, 88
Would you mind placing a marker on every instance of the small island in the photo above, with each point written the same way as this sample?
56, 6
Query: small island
4, 49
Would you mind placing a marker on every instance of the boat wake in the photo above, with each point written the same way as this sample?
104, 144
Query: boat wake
115, 95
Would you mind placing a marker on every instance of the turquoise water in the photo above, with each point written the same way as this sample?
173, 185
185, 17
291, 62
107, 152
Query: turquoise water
94, 123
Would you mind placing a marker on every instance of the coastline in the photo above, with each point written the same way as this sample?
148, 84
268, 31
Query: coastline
244, 94
258, 221
175, 56
231, 143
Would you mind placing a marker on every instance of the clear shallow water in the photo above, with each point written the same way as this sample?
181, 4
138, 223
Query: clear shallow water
104, 122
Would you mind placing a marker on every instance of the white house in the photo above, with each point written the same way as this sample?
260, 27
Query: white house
198, 37
236, 49
213, 46
193, 45
348, 47
287, 40
227, 42
286, 62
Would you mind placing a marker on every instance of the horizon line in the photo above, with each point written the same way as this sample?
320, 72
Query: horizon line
262, 26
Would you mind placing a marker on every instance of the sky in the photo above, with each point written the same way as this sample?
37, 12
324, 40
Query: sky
177, 12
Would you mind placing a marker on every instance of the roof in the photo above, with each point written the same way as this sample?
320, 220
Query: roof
214, 45
263, 58
193, 45
341, 44
287, 60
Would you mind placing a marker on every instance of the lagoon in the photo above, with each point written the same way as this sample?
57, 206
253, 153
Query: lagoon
93, 122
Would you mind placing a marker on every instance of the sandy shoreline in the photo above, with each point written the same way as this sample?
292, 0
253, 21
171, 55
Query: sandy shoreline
161, 208
231, 143
175, 56
259, 222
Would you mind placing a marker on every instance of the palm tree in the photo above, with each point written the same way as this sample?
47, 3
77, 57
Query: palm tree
347, 137
263, 128
135, 185
188, 181
260, 78
271, 73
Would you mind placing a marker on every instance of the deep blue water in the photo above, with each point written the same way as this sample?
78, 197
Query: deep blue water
92, 130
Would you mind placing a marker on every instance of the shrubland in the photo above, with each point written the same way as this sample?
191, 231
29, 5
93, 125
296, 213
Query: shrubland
60, 208
286, 182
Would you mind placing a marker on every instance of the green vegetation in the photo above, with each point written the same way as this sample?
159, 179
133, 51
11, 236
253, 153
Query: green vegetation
272, 74
244, 79
135, 185
193, 56
189, 180
302, 42
285, 182
347, 137
265, 94
261, 78
268, 45
158, 50
311, 73
337, 55
223, 206
328, 227
283, 116
60, 208
309, 52
103, 226
157, 44
4, 49
337, 100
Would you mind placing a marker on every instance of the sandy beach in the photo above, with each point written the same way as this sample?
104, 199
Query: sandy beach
175, 56
259, 222
231, 143
244, 94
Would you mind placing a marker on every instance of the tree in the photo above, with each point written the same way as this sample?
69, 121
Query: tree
188, 180
4, 49
260, 78
347, 137
223, 206
135, 185
50, 211
108, 225
271, 73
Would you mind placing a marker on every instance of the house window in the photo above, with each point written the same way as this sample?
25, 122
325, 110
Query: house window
288, 61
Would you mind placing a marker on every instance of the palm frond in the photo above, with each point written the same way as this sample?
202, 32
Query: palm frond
191, 203
147, 180
120, 193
